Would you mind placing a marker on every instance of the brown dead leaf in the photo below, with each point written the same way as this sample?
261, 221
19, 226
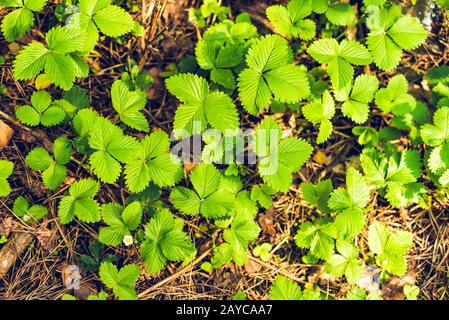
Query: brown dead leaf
47, 238
188, 167
394, 288
6, 133
12, 250
252, 266
71, 276
266, 222
320, 157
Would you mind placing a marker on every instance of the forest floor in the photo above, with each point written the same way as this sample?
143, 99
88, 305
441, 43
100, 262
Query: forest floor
40, 271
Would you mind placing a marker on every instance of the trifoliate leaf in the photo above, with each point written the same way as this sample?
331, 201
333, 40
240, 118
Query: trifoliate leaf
79, 202
200, 105
165, 240
390, 34
278, 158
321, 112
152, 162
317, 195
289, 21
390, 248
345, 263
242, 231
41, 111
207, 197
120, 222
29, 214
318, 237
394, 98
355, 101
129, 104
121, 282
271, 74
112, 148
339, 58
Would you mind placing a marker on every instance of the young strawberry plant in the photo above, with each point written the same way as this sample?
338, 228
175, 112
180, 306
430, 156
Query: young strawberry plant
276, 151
28, 213
271, 75
390, 33
53, 168
122, 281
165, 241
207, 196
18, 22
120, 222
390, 248
79, 202
290, 21
279, 158
42, 111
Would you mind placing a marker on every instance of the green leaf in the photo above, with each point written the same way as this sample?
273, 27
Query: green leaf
201, 105
113, 21
112, 148
345, 263
60, 69
317, 195
35, 5
356, 195
165, 240
390, 34
62, 150
129, 105
38, 159
395, 98
356, 100
262, 194
41, 111
65, 39
54, 175
341, 14
120, 222
270, 73
389, 247
152, 162
121, 282
321, 112
54, 172
278, 159
339, 58
318, 237
79, 202
30, 61
209, 199
116, 230
6, 169
285, 289
241, 232
17, 23
437, 133
350, 223
28, 213
288, 83
289, 21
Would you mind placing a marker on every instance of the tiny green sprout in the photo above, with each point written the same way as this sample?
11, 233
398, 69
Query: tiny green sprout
263, 251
